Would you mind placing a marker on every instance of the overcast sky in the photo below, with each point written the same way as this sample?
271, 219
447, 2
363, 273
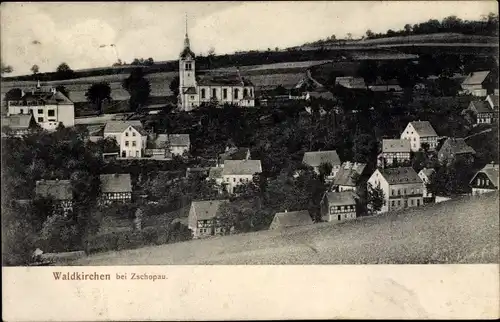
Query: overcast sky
49, 33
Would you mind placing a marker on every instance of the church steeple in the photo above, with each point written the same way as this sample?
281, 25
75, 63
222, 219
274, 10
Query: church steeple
186, 39
187, 53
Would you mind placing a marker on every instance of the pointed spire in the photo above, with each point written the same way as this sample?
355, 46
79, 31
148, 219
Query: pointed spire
186, 39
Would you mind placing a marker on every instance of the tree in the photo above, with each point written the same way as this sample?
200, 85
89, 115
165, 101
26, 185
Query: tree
13, 94
375, 198
63, 71
349, 36
369, 70
325, 169
174, 86
35, 69
63, 90
408, 29
97, 93
149, 62
365, 148
370, 34
6, 69
138, 87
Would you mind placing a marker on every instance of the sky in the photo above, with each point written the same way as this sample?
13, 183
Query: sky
50, 33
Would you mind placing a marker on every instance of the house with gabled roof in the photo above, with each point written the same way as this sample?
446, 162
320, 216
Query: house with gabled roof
394, 151
237, 172
419, 133
315, 158
179, 143
485, 180
202, 218
402, 187
289, 219
59, 190
130, 136
455, 147
349, 177
116, 187
477, 83
482, 111
338, 206
18, 125
492, 100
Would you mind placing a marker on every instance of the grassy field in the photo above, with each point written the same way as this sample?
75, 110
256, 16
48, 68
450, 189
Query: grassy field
463, 230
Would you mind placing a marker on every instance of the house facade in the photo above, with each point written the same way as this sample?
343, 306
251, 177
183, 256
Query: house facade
453, 148
116, 188
193, 91
238, 172
338, 206
483, 113
179, 144
59, 190
49, 107
476, 83
394, 151
419, 133
288, 219
130, 136
350, 177
485, 180
315, 158
402, 187
202, 219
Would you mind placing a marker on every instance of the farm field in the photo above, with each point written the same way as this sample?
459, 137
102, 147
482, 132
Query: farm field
463, 230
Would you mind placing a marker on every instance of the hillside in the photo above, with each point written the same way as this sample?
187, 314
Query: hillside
464, 230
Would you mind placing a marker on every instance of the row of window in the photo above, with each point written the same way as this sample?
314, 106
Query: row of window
126, 133
412, 202
241, 180
40, 111
483, 182
118, 195
342, 208
224, 93
133, 143
412, 191
131, 154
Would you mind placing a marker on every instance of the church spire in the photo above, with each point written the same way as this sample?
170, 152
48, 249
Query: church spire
186, 39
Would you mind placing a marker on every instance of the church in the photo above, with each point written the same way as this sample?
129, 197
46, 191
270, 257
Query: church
193, 91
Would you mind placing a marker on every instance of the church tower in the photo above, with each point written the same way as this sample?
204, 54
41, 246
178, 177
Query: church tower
187, 78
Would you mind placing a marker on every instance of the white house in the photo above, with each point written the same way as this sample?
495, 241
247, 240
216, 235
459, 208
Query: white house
418, 133
193, 91
130, 136
476, 82
237, 172
48, 106
402, 187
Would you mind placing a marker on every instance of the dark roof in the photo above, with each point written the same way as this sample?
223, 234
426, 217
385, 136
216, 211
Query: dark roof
400, 175
57, 189
315, 158
241, 167
494, 100
341, 198
187, 52
475, 78
395, 145
292, 218
190, 90
120, 126
215, 173
48, 97
229, 79
481, 106
116, 182
457, 146
17, 121
423, 128
206, 209
491, 171
344, 177
179, 139
234, 154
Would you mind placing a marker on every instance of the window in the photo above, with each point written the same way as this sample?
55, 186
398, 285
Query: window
245, 92
418, 191
241, 180
188, 66
251, 92
399, 202
126, 142
411, 202
418, 202
234, 179
137, 154
399, 192
192, 97
133, 133
133, 143
40, 111
51, 112
404, 192
203, 93
338, 208
224, 93
414, 139
40, 119
393, 192
393, 203
236, 93
338, 217
227, 179
126, 133
214, 93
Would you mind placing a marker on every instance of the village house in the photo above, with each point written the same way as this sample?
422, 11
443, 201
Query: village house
391, 85
288, 219
59, 190
116, 187
202, 219
351, 82
18, 125
194, 91
316, 158
402, 187
179, 144
426, 175
237, 172
349, 177
338, 206
485, 180
477, 83
394, 151
420, 133
48, 106
453, 148
130, 136
482, 111
492, 100
165, 146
